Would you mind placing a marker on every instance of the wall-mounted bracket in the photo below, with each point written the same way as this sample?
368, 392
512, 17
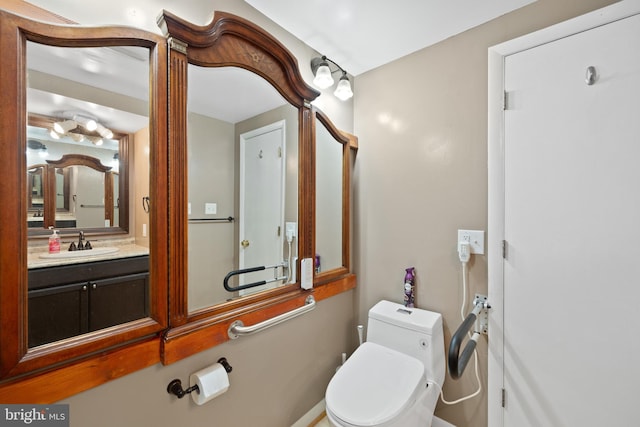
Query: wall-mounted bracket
482, 322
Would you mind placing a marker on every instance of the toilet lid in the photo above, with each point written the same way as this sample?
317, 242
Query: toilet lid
375, 385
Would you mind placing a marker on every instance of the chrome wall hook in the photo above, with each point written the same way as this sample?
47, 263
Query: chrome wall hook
591, 76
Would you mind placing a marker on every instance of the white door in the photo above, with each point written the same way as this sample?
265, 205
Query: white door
261, 201
572, 231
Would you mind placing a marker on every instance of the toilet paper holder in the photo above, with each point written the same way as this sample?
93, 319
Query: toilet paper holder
175, 386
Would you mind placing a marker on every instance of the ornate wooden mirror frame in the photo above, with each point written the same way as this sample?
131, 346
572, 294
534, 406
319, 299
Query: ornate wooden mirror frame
349, 142
233, 41
16, 359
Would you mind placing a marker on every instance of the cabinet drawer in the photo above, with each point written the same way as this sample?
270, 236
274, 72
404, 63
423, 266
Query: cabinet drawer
73, 273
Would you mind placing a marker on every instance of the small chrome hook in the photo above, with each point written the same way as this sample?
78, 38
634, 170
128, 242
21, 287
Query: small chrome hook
591, 75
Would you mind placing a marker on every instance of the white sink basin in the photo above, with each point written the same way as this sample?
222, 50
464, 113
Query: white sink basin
80, 254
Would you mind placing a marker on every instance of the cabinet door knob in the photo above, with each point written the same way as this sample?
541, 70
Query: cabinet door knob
84, 288
93, 286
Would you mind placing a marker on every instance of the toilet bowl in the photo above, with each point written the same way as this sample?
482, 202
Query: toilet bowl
389, 380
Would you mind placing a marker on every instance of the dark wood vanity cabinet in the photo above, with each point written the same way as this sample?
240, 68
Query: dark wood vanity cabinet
69, 300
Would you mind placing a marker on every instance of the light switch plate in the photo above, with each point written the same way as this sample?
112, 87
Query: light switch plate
210, 208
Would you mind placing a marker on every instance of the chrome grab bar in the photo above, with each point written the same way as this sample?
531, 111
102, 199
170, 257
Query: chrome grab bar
237, 328
458, 362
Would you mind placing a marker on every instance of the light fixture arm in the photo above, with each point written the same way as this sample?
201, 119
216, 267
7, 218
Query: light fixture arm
317, 62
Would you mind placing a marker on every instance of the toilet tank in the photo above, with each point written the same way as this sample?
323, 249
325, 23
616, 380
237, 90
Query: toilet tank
412, 331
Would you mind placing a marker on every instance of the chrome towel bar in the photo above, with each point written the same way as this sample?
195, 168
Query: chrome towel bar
237, 328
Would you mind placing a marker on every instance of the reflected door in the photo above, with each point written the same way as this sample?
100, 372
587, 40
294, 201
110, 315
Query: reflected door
261, 200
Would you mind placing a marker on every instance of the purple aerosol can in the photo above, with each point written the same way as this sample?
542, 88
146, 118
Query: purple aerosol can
409, 287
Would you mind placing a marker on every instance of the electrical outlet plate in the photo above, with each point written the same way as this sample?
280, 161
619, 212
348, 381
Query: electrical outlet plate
291, 227
475, 239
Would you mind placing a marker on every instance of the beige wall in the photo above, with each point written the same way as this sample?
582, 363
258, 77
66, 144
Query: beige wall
212, 167
139, 177
421, 173
278, 375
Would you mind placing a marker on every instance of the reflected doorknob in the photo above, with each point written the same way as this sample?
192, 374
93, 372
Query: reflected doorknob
244, 243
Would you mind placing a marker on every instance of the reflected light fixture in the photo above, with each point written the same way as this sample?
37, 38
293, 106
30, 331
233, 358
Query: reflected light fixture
37, 146
86, 122
95, 140
324, 79
74, 126
104, 132
63, 127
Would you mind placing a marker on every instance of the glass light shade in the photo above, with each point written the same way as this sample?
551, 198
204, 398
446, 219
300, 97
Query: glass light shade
343, 90
53, 134
77, 137
87, 123
323, 77
104, 132
64, 127
95, 140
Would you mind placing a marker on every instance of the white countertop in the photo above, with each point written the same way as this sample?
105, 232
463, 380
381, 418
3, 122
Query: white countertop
126, 249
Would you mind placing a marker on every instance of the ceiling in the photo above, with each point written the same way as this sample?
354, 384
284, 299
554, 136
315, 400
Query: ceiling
357, 34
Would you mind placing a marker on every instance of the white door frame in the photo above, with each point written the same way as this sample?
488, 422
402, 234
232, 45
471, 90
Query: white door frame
496, 184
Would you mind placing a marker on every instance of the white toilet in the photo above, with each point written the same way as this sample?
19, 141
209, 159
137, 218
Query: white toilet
385, 382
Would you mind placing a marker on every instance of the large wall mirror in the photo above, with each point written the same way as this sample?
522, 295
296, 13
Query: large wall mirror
242, 144
91, 190
332, 198
241, 153
83, 130
79, 103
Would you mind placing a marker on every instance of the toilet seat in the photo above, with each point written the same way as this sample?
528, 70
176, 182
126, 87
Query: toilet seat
375, 386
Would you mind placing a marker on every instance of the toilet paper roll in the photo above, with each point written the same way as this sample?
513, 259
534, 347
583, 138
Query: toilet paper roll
211, 382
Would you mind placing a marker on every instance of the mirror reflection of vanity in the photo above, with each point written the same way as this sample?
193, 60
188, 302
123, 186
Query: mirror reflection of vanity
80, 128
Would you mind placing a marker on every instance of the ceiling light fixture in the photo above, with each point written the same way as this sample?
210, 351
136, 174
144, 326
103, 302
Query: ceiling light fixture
323, 77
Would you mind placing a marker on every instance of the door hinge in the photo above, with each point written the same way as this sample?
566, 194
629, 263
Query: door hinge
505, 101
280, 152
504, 397
504, 249
279, 230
